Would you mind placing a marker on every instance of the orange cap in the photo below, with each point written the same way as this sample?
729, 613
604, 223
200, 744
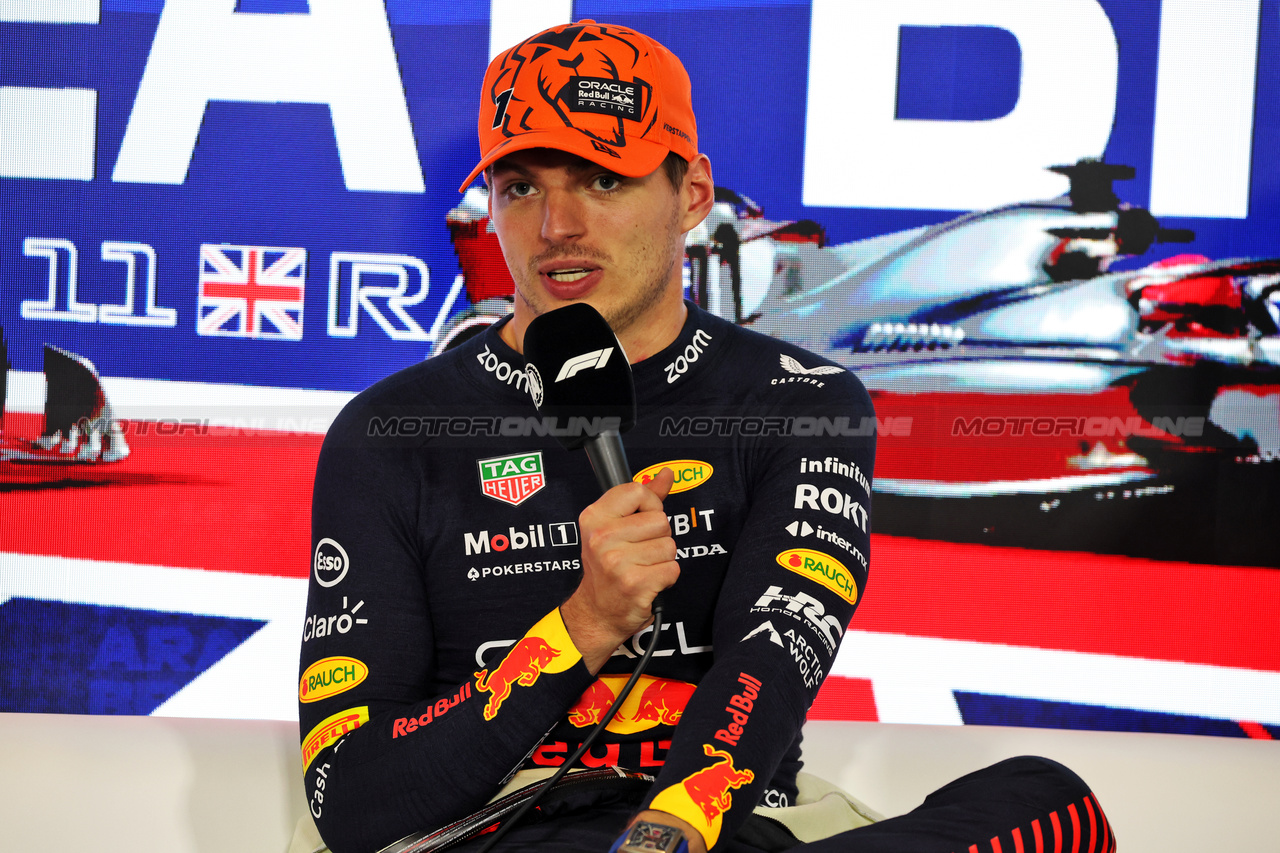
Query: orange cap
604, 92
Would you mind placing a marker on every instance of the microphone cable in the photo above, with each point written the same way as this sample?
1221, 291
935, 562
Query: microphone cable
591, 736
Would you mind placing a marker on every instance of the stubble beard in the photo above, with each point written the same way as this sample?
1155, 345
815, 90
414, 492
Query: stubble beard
635, 303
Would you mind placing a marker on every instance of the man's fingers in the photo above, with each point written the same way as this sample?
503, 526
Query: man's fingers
660, 485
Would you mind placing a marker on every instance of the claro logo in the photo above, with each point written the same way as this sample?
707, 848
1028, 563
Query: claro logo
329, 677
690, 473
331, 563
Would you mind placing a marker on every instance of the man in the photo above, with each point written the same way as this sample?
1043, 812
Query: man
476, 604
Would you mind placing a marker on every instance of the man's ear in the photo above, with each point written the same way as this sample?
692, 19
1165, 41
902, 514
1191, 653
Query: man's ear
698, 192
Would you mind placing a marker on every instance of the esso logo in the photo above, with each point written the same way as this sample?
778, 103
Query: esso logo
331, 563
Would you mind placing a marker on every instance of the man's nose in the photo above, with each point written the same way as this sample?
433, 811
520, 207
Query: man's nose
562, 216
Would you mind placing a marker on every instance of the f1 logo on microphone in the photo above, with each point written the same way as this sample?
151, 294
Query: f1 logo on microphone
588, 360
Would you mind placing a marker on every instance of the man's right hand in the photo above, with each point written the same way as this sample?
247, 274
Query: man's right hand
628, 557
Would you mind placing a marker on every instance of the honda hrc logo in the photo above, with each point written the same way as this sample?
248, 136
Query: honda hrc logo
806, 608
587, 361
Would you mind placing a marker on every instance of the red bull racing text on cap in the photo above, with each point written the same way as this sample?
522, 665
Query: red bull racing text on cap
606, 93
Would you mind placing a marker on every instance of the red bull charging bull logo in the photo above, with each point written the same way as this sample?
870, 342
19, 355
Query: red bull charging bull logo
654, 702
546, 648
704, 796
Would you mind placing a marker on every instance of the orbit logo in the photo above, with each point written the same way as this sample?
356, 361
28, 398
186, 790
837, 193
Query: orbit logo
331, 563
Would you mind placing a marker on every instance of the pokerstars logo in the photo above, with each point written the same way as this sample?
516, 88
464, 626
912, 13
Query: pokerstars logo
331, 563
512, 479
820, 567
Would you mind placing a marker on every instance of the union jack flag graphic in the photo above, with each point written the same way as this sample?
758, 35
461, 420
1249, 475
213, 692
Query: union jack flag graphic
251, 292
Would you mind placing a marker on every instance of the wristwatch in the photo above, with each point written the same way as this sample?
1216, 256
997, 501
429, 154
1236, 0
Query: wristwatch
646, 837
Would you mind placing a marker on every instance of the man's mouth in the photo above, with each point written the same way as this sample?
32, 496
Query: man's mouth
568, 275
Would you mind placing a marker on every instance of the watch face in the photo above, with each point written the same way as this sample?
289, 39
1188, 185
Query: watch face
653, 836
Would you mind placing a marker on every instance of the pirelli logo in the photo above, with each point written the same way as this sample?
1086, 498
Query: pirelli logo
329, 730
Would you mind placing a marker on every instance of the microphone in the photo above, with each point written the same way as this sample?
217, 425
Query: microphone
579, 374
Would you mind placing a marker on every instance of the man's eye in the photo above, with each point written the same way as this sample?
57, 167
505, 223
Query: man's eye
519, 189
607, 182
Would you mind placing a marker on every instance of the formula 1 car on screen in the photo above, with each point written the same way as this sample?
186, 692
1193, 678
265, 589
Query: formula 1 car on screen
1026, 392
76, 432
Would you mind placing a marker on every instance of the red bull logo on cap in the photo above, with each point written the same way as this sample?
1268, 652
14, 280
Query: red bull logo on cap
546, 648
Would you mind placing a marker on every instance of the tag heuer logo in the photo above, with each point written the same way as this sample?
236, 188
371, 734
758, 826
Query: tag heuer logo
512, 479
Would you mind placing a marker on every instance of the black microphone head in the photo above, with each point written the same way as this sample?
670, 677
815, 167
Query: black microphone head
579, 374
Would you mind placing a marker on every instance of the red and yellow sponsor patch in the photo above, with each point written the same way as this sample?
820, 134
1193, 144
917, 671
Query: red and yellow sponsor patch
328, 730
654, 702
546, 648
823, 568
690, 473
329, 677
704, 796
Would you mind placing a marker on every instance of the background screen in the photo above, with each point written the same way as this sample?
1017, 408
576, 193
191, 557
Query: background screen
1045, 235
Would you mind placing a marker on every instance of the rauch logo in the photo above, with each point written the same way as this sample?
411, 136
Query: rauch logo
823, 568
512, 479
329, 677
690, 473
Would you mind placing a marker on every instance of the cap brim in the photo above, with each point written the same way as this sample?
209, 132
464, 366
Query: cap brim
638, 159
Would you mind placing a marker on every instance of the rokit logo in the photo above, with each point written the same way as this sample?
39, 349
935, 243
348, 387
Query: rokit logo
324, 626
331, 563
537, 536
803, 607
831, 500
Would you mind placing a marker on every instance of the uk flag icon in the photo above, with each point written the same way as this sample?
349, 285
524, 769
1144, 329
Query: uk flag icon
251, 292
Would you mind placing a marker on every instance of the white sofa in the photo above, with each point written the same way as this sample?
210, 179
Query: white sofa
139, 784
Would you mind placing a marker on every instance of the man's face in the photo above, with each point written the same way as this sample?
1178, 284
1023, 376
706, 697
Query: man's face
571, 230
